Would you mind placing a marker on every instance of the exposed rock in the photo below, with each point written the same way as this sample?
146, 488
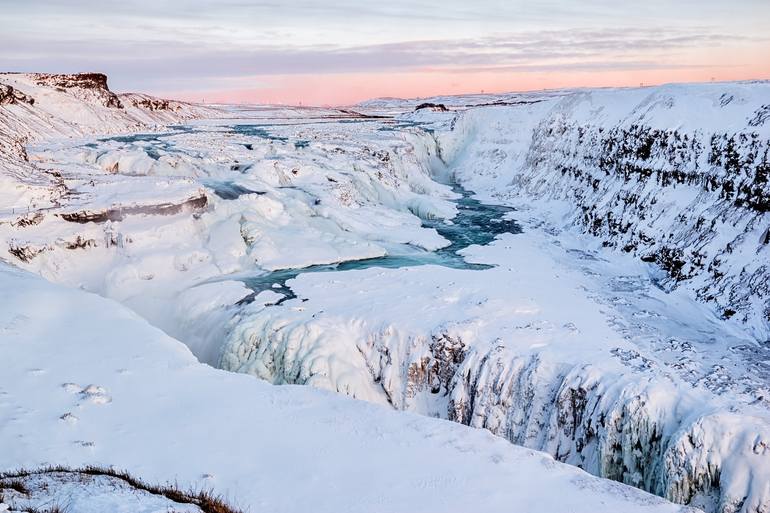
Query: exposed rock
30, 219
152, 104
80, 243
11, 96
119, 213
614, 175
84, 85
760, 116
435, 107
25, 251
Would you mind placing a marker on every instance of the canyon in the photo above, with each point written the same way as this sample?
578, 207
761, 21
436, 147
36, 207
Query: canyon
579, 272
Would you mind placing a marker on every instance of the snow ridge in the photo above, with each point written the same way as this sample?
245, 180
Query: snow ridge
43, 106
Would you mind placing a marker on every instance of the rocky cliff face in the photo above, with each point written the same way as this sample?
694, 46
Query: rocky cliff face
86, 86
615, 177
629, 422
678, 177
10, 96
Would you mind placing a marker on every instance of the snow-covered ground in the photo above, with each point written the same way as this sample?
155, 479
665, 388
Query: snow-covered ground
38, 106
603, 343
59, 490
92, 383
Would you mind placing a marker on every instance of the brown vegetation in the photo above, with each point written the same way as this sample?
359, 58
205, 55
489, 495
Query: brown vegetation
206, 500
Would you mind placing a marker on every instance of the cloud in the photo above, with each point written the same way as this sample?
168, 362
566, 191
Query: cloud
163, 62
163, 45
591, 65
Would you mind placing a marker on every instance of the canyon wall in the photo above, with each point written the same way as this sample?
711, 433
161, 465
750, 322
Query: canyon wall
674, 176
677, 175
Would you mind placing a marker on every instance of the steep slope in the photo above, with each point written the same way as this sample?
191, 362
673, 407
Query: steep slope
91, 383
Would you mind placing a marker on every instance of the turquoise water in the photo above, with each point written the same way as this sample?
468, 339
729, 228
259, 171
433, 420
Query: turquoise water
228, 190
258, 131
475, 223
154, 144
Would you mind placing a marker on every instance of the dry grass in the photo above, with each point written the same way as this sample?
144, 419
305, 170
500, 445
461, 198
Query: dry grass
16, 485
206, 500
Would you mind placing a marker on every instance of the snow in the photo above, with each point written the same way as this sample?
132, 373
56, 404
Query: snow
83, 493
564, 341
580, 160
528, 327
63, 112
140, 401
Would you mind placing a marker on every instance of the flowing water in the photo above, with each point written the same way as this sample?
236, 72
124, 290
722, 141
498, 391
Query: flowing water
475, 223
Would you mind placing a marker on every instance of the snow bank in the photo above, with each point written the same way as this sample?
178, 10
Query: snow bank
92, 383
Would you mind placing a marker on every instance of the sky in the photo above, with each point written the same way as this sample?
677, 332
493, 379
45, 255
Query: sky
323, 52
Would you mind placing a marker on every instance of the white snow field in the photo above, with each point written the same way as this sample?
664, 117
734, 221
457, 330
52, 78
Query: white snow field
92, 383
582, 273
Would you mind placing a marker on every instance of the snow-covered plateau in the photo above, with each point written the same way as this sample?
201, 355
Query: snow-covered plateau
580, 272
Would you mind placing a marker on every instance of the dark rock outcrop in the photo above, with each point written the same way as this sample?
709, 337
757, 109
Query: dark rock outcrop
622, 178
84, 85
435, 107
119, 213
25, 251
152, 104
11, 96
